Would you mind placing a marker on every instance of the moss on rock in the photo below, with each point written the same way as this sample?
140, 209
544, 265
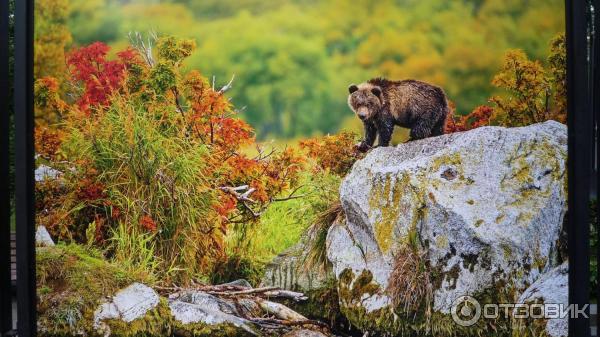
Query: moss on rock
156, 322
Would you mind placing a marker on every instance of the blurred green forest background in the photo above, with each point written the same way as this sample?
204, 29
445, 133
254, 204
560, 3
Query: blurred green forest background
294, 59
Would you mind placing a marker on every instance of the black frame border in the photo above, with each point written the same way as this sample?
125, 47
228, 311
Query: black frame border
579, 159
580, 128
24, 168
5, 282
595, 96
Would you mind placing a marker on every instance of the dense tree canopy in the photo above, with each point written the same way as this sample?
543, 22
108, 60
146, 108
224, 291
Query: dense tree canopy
293, 59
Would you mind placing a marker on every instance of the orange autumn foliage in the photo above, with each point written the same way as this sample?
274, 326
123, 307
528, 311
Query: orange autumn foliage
147, 146
479, 117
334, 153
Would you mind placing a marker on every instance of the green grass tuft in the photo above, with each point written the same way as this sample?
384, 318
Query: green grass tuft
71, 282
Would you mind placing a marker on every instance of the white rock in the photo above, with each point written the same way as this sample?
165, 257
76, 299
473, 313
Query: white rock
487, 205
43, 172
42, 237
199, 307
127, 305
551, 288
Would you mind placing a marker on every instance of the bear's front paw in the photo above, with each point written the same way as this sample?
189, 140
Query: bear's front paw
362, 147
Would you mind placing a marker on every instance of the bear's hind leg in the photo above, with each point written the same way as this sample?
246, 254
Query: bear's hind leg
421, 129
438, 129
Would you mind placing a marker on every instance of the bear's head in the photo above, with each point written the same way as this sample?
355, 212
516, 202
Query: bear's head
365, 100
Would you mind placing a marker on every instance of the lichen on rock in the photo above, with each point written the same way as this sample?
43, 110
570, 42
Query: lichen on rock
485, 207
132, 310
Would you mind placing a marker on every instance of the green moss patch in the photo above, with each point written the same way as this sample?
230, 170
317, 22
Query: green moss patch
72, 281
156, 322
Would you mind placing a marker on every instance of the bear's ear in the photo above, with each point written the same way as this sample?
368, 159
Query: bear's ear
352, 88
376, 91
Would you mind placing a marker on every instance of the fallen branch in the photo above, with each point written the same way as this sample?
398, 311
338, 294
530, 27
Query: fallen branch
280, 311
295, 296
249, 291
251, 304
275, 322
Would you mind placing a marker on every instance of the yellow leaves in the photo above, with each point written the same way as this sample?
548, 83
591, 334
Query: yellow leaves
47, 99
174, 50
51, 39
533, 93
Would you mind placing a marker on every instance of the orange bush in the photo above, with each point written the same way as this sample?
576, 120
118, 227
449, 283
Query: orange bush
148, 147
479, 117
334, 153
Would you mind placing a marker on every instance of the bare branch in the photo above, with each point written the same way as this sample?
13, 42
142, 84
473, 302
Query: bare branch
144, 48
261, 156
226, 86
242, 198
235, 191
280, 322
290, 198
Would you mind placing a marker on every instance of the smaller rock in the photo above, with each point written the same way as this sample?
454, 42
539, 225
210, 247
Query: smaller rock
288, 270
44, 172
238, 283
198, 307
551, 288
127, 305
42, 237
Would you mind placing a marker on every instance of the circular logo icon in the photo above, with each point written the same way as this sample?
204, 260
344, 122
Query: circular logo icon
466, 311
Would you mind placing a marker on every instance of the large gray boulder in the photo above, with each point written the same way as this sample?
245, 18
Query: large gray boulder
482, 209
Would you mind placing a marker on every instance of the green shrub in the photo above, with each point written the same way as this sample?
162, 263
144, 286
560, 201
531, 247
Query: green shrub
283, 223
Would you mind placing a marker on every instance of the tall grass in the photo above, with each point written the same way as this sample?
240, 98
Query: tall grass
283, 223
316, 256
134, 251
151, 170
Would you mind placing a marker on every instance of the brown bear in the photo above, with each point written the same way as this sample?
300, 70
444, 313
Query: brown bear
381, 104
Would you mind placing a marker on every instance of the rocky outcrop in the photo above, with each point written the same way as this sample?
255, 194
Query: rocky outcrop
293, 270
289, 269
216, 311
194, 311
475, 213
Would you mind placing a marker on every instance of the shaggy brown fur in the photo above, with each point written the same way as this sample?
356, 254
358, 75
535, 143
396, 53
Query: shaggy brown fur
381, 104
